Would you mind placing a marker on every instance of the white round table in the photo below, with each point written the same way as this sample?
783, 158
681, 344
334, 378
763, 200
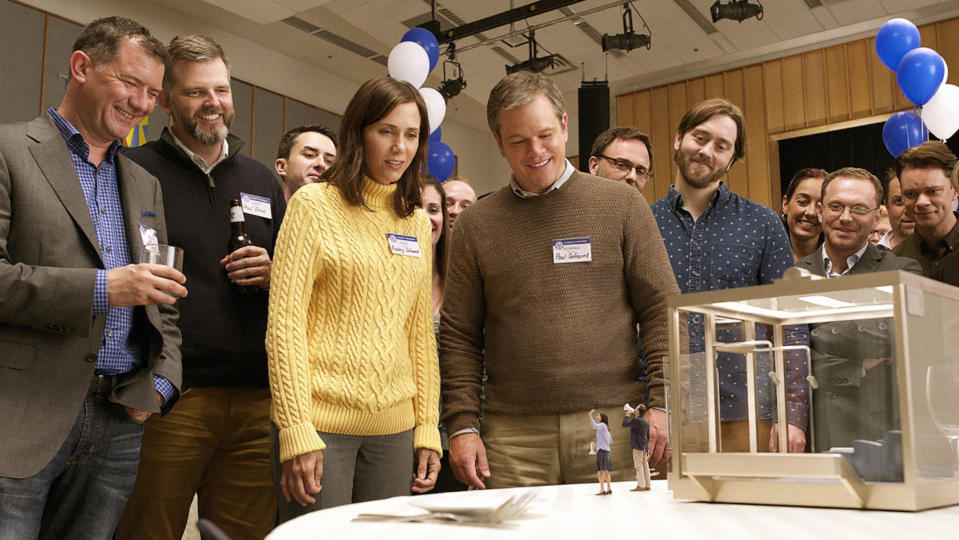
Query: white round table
574, 511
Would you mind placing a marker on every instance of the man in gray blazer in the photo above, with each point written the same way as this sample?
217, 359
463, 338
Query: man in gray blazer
89, 346
852, 361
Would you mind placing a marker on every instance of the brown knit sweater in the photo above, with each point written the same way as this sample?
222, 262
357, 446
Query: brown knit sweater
558, 338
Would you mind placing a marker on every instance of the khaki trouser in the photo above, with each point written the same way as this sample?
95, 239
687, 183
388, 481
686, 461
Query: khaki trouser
734, 436
641, 464
536, 450
215, 443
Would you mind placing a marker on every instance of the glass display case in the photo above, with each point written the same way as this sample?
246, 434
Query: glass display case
814, 392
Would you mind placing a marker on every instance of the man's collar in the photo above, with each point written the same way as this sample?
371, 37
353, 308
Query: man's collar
675, 198
75, 139
951, 239
520, 192
195, 158
850, 260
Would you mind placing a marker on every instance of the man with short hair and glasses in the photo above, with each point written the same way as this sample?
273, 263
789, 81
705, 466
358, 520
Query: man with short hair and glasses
848, 211
623, 154
852, 360
925, 172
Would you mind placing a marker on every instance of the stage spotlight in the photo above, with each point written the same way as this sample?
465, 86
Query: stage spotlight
533, 64
625, 42
453, 81
736, 10
628, 40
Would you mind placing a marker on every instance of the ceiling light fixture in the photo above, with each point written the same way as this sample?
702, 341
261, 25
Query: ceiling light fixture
736, 10
628, 40
534, 64
453, 81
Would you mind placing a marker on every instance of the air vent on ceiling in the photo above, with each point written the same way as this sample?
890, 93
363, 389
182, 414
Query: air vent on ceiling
345, 43
300, 24
330, 37
502, 52
696, 16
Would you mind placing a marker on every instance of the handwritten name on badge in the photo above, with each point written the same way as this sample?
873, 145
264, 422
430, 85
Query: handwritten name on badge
572, 250
148, 236
256, 205
403, 245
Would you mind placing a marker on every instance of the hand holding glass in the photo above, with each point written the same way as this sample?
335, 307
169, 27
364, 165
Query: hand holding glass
162, 254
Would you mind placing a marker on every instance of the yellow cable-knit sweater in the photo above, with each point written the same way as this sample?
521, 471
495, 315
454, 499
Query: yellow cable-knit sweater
350, 335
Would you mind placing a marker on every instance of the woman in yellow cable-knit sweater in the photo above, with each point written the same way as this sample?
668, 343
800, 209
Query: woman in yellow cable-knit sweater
352, 357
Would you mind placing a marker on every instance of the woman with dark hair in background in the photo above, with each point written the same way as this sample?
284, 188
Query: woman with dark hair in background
352, 356
434, 204
433, 196
799, 211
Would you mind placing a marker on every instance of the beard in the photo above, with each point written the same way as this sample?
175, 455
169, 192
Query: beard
700, 181
203, 135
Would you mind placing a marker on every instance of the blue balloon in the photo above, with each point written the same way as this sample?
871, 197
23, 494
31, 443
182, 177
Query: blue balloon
440, 160
894, 40
436, 135
902, 131
920, 74
424, 38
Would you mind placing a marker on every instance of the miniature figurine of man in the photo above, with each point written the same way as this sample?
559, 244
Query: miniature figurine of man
639, 441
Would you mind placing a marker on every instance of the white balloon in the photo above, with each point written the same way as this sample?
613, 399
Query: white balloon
941, 113
409, 62
435, 107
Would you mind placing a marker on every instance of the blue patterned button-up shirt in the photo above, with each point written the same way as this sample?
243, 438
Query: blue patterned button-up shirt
118, 353
734, 243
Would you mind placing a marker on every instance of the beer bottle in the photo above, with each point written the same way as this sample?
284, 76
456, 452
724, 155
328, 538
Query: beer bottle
238, 236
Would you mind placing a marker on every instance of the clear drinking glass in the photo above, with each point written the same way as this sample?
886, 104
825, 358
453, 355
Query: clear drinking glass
162, 254
942, 397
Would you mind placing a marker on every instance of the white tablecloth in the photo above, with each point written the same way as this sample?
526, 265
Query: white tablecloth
573, 511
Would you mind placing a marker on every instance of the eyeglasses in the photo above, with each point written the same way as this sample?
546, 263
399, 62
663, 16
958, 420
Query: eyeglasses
858, 210
624, 167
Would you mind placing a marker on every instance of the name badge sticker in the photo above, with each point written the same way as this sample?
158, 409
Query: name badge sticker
256, 205
148, 236
403, 245
572, 250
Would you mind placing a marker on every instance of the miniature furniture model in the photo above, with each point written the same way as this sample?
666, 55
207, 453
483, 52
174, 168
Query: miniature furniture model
877, 375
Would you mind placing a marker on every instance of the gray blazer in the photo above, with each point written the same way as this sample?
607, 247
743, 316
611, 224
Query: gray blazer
49, 254
850, 403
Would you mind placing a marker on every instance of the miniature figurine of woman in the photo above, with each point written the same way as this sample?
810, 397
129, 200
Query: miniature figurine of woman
600, 423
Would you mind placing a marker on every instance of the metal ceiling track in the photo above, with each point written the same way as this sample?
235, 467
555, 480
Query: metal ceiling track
502, 19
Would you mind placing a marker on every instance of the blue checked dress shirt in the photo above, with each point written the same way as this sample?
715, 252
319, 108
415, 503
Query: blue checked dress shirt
118, 354
734, 243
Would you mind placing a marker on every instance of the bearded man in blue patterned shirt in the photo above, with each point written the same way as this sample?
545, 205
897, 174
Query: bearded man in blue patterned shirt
719, 240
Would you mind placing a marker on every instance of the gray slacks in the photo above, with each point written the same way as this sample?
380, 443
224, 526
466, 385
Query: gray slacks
355, 469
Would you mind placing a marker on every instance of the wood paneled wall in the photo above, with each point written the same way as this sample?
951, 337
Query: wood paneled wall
816, 89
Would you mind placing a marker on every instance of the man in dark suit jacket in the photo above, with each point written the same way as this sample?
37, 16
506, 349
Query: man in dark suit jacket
852, 361
89, 346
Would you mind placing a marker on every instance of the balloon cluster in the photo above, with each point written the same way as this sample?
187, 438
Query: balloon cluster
921, 74
411, 61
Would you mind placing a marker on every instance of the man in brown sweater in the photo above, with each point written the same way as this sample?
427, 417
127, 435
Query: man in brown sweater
549, 277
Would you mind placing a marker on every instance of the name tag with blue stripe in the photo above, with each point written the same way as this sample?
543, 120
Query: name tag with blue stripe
256, 205
401, 244
572, 250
